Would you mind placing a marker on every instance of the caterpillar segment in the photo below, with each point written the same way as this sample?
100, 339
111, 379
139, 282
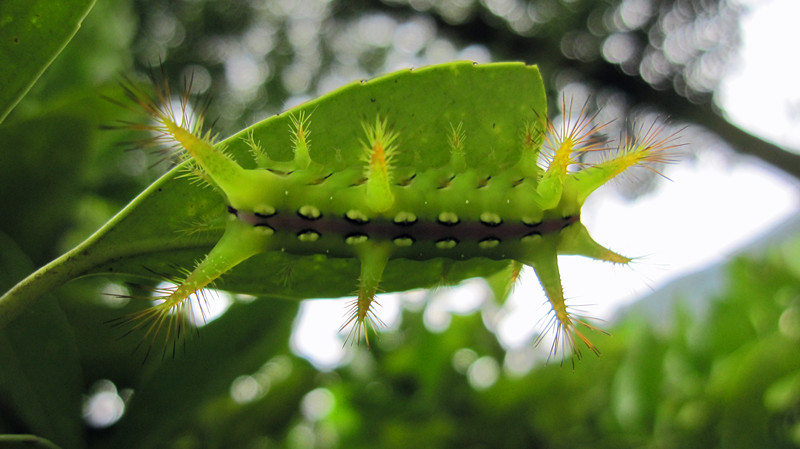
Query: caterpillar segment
528, 213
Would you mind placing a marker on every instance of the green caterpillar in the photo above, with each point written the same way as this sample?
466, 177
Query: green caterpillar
369, 185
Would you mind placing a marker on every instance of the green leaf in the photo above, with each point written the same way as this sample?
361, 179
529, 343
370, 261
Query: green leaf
25, 441
32, 34
150, 235
40, 377
45, 178
238, 344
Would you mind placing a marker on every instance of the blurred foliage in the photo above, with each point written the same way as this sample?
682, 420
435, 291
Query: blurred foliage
727, 377
263, 53
33, 34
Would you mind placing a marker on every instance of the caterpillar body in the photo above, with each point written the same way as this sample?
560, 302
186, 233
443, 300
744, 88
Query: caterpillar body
375, 174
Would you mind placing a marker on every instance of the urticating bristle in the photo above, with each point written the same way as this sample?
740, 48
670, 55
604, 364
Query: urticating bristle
178, 129
532, 139
362, 320
166, 112
169, 321
458, 160
650, 146
576, 135
373, 258
562, 147
300, 139
379, 152
564, 326
239, 242
647, 147
259, 154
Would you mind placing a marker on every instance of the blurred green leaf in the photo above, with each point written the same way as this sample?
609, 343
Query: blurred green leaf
41, 163
32, 34
171, 396
25, 441
635, 391
40, 374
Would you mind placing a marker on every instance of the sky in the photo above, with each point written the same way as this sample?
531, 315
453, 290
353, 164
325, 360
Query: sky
723, 201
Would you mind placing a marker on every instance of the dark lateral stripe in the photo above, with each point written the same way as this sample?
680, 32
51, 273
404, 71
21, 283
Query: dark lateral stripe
420, 230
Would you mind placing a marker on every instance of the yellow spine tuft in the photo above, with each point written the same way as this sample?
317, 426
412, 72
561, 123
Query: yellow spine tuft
646, 147
362, 317
532, 139
380, 147
458, 160
564, 324
300, 132
577, 135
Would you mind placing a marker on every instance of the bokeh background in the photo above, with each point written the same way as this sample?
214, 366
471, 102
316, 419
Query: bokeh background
705, 327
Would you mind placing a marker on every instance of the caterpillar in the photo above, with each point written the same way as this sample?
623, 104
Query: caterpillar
379, 174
